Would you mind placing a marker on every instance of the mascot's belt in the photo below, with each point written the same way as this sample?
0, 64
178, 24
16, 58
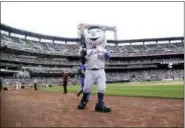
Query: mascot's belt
95, 69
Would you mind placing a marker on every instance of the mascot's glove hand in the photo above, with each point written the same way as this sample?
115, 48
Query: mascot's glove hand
107, 55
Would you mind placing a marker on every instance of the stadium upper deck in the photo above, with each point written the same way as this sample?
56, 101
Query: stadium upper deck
51, 45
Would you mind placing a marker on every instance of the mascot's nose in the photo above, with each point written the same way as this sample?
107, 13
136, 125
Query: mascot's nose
93, 34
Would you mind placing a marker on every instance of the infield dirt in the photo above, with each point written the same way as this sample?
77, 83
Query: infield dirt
29, 108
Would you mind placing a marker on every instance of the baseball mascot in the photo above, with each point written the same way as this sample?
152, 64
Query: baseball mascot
95, 55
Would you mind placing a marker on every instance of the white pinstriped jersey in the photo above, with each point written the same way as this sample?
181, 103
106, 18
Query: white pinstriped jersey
95, 58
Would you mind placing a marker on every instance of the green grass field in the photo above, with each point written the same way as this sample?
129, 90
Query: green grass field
163, 89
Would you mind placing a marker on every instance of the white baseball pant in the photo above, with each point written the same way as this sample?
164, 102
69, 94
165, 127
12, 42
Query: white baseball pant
92, 76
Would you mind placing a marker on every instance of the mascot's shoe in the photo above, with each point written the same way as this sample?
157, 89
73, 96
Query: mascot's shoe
82, 104
102, 108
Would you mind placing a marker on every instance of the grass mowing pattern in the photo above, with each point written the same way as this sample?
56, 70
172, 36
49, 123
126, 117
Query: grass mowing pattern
163, 89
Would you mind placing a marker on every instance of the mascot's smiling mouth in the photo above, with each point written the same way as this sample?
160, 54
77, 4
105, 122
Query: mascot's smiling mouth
93, 39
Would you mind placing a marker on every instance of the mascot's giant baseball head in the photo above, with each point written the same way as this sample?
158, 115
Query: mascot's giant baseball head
95, 36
